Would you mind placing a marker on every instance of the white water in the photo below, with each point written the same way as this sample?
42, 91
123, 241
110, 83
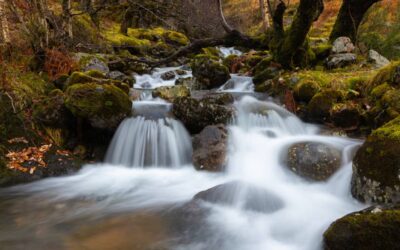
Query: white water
258, 142
154, 80
141, 142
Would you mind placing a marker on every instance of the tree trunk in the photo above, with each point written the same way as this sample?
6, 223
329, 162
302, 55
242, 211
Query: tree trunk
5, 32
127, 20
264, 16
290, 50
66, 7
349, 19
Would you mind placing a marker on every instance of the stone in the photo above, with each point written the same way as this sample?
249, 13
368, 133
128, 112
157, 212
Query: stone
210, 148
313, 161
249, 196
377, 59
376, 166
170, 75
96, 64
346, 115
119, 76
343, 45
374, 228
209, 72
172, 92
198, 114
340, 60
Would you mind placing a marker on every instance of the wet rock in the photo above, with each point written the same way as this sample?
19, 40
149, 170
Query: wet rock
268, 73
376, 227
346, 115
209, 72
376, 166
170, 93
184, 81
343, 45
198, 114
377, 59
104, 106
170, 75
247, 196
119, 76
314, 161
209, 148
340, 60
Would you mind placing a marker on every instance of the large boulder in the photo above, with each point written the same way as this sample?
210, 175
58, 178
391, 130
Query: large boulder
306, 89
346, 115
343, 45
374, 228
172, 92
104, 106
340, 60
377, 59
313, 161
209, 148
209, 72
247, 196
376, 166
198, 114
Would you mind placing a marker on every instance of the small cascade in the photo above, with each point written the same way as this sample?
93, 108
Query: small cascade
238, 84
155, 79
229, 51
140, 142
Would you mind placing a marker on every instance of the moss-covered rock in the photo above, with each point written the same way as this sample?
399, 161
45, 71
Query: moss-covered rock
51, 111
104, 106
320, 105
170, 93
197, 114
346, 115
389, 74
209, 72
376, 166
370, 229
306, 89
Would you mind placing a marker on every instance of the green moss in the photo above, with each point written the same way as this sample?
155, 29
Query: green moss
373, 228
170, 93
320, 105
104, 105
95, 74
384, 75
209, 72
322, 50
306, 89
211, 51
390, 130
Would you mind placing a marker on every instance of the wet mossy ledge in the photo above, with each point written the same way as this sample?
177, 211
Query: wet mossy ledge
374, 228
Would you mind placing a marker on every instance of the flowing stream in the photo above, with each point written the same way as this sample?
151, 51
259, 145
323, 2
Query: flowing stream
129, 202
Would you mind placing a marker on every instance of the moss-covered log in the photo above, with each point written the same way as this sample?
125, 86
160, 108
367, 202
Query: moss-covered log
349, 19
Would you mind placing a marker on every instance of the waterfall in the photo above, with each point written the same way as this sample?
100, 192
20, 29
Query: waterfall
141, 142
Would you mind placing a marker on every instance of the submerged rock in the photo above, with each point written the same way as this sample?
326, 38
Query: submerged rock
244, 195
104, 106
170, 93
209, 72
170, 75
376, 166
209, 148
314, 161
198, 114
374, 228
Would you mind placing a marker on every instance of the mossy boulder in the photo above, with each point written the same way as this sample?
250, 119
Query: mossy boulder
170, 93
313, 161
374, 228
346, 115
198, 114
305, 90
51, 111
104, 106
376, 166
320, 105
209, 72
389, 74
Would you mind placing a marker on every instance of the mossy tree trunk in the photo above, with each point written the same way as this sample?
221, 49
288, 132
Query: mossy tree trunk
294, 40
127, 20
349, 19
5, 32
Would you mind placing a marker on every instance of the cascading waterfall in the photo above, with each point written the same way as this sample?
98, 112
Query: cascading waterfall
148, 170
140, 142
